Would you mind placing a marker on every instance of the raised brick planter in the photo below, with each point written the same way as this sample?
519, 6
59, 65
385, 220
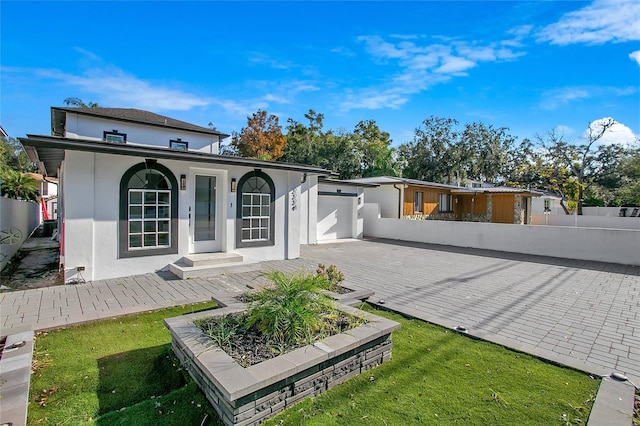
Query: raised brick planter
248, 396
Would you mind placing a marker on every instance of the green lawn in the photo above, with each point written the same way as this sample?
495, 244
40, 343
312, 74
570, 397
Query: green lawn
122, 372
116, 371
438, 376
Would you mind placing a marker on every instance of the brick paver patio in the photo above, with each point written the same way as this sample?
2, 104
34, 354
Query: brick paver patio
582, 314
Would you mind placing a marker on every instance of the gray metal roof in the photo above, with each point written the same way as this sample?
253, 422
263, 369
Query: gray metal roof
48, 153
139, 116
390, 180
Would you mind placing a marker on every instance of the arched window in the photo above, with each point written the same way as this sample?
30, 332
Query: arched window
148, 211
256, 210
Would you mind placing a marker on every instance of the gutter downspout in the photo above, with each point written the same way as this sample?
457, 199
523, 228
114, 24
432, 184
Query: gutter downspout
399, 200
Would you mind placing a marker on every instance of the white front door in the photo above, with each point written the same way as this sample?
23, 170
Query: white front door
205, 213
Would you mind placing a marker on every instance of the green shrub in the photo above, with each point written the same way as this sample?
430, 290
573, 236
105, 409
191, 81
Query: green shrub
331, 274
293, 309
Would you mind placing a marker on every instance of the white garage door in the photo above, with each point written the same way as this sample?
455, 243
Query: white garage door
335, 217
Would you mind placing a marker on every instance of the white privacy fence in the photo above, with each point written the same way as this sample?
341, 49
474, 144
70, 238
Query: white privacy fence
587, 221
595, 244
17, 220
607, 211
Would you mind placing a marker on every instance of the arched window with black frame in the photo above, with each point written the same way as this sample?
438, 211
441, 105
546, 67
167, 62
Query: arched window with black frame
255, 215
148, 211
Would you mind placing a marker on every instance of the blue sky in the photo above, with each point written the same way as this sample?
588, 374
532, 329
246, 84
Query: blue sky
529, 66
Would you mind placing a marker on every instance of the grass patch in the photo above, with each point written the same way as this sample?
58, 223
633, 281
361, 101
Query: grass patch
115, 371
439, 376
122, 372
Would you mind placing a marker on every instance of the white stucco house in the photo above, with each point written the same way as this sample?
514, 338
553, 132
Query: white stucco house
140, 192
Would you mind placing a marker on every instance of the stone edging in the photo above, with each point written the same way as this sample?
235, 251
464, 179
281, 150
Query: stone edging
246, 396
15, 377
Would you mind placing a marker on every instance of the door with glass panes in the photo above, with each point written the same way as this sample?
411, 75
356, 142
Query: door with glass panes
205, 213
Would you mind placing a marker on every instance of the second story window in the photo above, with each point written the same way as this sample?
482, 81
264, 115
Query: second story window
179, 145
114, 137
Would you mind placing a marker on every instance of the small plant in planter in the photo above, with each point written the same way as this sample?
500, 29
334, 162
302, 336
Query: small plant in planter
331, 274
290, 343
292, 312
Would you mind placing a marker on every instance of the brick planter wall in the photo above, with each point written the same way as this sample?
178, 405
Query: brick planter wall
248, 396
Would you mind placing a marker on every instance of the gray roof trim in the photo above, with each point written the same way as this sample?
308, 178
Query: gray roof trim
389, 180
347, 183
48, 153
132, 115
337, 194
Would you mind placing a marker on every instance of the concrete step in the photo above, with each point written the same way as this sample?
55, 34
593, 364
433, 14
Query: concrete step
183, 271
202, 259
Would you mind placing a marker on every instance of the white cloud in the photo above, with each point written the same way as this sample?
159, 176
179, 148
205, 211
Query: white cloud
635, 56
113, 86
601, 22
276, 98
417, 65
263, 59
455, 65
554, 99
372, 99
618, 133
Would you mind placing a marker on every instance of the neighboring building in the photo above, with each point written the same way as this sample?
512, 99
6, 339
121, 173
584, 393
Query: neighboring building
141, 192
415, 199
48, 193
548, 203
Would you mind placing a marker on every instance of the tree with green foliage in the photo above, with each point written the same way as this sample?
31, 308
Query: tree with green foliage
575, 169
303, 142
18, 185
14, 166
375, 149
484, 152
12, 156
440, 152
77, 102
431, 156
628, 193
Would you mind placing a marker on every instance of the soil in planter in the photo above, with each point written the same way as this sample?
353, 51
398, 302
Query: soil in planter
249, 347
342, 290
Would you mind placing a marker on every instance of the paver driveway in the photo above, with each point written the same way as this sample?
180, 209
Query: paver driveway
582, 314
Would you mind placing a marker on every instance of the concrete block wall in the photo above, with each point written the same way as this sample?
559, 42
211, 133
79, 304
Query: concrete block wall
248, 396
592, 244
272, 399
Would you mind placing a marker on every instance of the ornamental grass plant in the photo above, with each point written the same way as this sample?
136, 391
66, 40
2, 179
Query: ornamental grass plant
291, 312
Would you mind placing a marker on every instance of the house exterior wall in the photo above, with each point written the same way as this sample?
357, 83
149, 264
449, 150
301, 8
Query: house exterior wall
91, 185
429, 200
86, 127
503, 208
387, 197
340, 215
308, 210
537, 205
